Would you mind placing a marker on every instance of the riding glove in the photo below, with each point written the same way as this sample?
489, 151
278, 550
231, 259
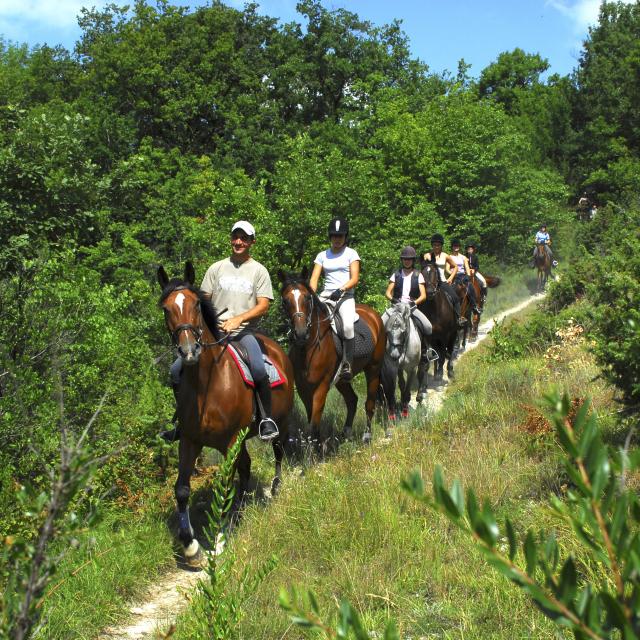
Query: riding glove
336, 295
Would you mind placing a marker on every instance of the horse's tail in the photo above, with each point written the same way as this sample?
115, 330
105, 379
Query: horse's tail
493, 281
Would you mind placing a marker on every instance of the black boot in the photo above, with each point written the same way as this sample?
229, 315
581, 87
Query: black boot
346, 368
483, 295
267, 428
173, 434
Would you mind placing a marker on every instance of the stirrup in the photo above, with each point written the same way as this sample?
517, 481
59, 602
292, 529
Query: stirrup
345, 372
268, 429
462, 321
555, 263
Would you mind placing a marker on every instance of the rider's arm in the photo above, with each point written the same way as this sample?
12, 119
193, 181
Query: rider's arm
453, 269
261, 308
354, 272
423, 294
388, 294
467, 268
315, 277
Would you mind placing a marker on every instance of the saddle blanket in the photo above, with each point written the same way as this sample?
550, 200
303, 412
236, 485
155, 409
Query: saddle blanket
363, 346
276, 377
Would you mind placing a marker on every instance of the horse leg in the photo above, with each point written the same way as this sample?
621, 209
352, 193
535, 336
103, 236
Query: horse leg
317, 407
278, 453
243, 466
351, 400
450, 360
423, 372
405, 393
188, 452
373, 383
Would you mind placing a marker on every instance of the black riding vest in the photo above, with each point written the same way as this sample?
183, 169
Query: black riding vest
414, 292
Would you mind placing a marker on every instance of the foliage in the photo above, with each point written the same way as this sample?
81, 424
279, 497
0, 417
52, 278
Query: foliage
221, 602
603, 513
28, 564
305, 613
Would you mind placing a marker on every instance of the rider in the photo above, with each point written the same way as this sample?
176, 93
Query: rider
474, 269
407, 285
340, 266
443, 260
462, 276
543, 237
242, 287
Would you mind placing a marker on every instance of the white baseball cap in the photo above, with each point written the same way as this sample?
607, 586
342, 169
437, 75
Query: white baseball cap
245, 226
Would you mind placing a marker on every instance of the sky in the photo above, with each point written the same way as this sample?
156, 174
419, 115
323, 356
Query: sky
440, 32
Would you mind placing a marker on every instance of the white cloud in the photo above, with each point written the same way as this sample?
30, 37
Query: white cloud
58, 14
583, 13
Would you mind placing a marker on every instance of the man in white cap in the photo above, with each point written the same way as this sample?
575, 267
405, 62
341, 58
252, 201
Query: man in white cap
242, 288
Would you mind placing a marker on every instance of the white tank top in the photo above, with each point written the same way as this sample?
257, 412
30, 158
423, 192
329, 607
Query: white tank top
441, 261
459, 260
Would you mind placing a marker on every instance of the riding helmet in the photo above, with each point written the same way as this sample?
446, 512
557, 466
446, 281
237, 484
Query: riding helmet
470, 243
437, 237
338, 227
455, 242
409, 253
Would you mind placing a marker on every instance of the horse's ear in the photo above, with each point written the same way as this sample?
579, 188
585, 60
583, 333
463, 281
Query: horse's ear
189, 272
163, 278
305, 273
282, 276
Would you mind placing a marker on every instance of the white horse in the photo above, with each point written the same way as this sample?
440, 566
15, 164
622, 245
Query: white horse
402, 359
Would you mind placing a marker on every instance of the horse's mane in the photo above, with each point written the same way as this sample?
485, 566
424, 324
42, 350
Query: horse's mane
209, 313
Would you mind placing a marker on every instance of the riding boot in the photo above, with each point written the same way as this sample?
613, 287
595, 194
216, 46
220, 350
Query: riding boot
346, 372
483, 295
173, 434
267, 428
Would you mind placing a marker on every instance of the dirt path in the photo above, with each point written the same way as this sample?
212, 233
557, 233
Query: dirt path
151, 618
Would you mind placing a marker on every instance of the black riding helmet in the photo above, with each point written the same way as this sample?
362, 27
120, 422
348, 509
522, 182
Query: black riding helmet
408, 253
338, 227
470, 243
437, 237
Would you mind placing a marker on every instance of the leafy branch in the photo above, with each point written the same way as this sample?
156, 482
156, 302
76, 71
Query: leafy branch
603, 514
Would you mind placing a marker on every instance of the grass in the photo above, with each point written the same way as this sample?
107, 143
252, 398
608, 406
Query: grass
346, 530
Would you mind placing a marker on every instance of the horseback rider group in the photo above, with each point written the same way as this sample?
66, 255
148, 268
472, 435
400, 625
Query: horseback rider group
241, 287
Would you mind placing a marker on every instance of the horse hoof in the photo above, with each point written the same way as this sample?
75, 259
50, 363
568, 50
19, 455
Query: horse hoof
347, 433
193, 555
405, 413
275, 486
392, 417
366, 437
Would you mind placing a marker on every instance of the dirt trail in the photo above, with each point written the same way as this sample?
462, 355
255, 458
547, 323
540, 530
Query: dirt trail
152, 617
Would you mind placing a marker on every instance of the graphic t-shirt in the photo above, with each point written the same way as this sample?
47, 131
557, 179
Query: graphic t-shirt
237, 287
406, 284
335, 266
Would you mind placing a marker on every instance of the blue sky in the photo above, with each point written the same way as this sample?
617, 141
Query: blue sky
440, 31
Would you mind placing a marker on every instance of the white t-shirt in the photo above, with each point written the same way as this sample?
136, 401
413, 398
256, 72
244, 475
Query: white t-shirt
335, 267
406, 285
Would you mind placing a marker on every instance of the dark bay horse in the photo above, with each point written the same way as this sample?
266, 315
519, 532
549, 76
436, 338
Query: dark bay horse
214, 403
314, 356
442, 316
492, 282
542, 263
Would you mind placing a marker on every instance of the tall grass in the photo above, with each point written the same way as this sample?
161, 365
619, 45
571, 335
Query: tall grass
347, 531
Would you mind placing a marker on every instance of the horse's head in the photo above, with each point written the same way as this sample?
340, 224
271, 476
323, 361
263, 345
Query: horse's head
186, 313
297, 302
431, 278
397, 328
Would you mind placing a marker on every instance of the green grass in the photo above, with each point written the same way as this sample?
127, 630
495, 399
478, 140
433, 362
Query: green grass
346, 530
118, 559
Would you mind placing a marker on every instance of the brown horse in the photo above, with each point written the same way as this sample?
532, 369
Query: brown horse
492, 282
314, 356
442, 316
542, 262
214, 403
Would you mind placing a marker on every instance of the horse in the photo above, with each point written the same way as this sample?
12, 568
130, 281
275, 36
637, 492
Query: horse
402, 358
315, 358
466, 311
542, 262
441, 314
213, 401
492, 282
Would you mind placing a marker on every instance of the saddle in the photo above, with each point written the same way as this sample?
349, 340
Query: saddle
240, 357
363, 345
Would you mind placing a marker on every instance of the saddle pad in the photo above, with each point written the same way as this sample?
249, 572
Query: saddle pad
363, 346
276, 377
